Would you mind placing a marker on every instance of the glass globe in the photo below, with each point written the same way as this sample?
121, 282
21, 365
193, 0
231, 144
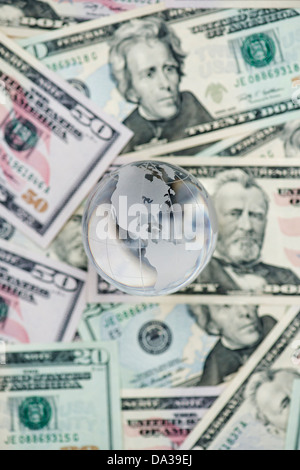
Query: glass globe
149, 228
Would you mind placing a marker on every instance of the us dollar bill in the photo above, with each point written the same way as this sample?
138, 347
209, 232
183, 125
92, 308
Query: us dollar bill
280, 141
67, 247
293, 430
252, 414
40, 300
185, 89
257, 4
187, 345
60, 397
161, 419
55, 145
25, 18
257, 252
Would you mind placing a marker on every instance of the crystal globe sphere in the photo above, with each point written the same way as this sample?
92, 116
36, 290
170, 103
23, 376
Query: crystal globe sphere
149, 228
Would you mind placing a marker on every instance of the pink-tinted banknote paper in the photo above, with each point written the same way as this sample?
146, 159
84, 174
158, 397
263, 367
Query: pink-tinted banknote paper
54, 145
161, 419
41, 300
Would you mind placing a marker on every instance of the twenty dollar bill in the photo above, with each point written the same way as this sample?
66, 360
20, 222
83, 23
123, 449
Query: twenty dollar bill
28, 17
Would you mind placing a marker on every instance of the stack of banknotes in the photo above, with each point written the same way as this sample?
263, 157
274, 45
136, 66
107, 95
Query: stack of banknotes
212, 86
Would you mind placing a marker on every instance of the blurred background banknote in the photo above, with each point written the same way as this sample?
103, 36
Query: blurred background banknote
180, 345
215, 366
282, 141
293, 431
210, 72
60, 397
162, 419
24, 18
43, 118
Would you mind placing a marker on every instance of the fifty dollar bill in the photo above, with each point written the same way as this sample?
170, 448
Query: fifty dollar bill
55, 145
60, 397
257, 251
219, 56
161, 419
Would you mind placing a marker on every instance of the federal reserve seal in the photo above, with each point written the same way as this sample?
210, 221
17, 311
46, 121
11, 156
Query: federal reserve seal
35, 413
20, 134
3, 310
6, 229
259, 50
155, 337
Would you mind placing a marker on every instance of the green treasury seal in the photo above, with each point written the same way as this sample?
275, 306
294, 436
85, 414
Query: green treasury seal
35, 413
259, 50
